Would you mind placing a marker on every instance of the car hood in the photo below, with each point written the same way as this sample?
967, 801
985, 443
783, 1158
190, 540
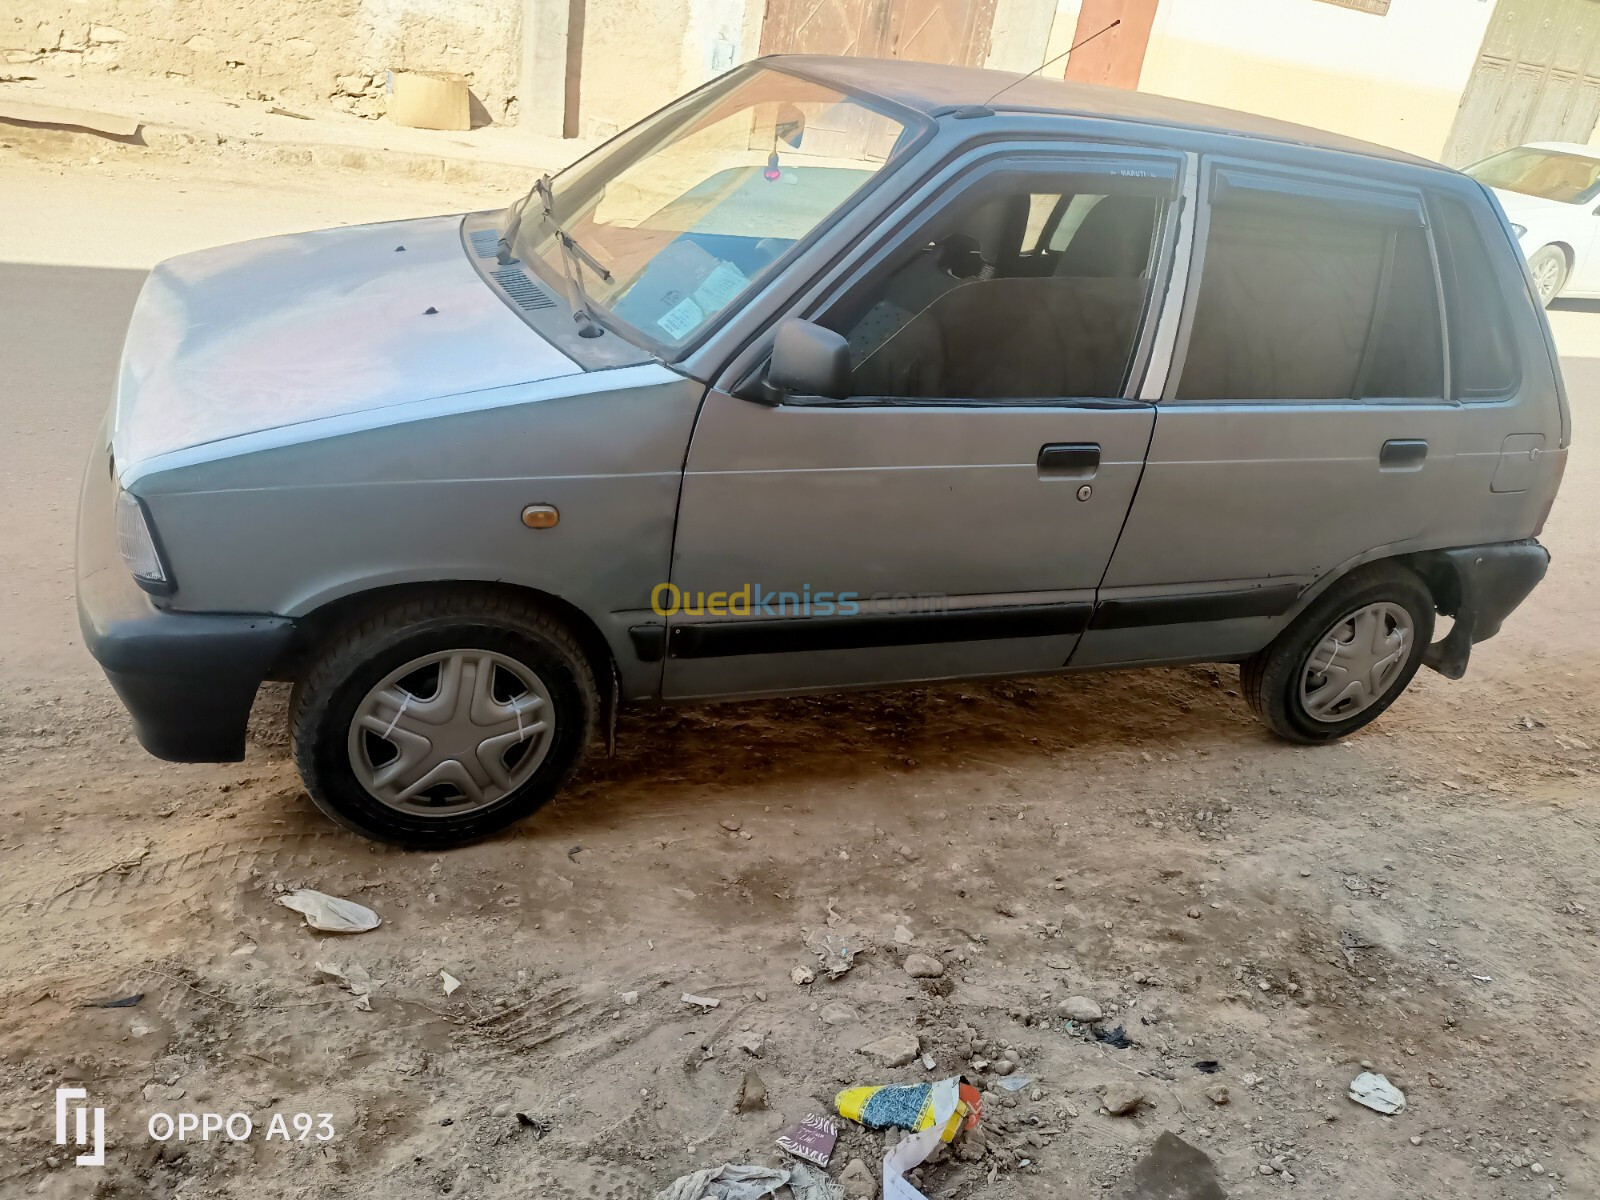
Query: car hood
1518, 204
284, 330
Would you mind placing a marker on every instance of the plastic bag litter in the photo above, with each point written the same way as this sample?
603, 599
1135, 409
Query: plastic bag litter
808, 1183
355, 979
1377, 1093
329, 913
730, 1181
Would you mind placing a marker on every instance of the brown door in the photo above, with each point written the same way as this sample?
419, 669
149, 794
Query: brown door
1116, 56
1537, 79
941, 31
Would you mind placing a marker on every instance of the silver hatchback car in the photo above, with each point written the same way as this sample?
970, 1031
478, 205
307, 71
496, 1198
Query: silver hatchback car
831, 374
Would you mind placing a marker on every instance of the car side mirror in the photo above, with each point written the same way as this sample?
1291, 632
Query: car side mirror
807, 360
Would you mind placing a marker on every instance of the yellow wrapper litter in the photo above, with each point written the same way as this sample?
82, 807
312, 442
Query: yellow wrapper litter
909, 1106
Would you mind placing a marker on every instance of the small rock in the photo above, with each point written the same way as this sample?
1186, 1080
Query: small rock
893, 1049
834, 1013
1266, 1169
630, 998
749, 1041
802, 976
162, 1091
1416, 1141
907, 853
753, 1095
1121, 1099
857, 1181
1079, 1008
1217, 1093
1003, 1066
730, 825
1194, 914
923, 966
972, 1146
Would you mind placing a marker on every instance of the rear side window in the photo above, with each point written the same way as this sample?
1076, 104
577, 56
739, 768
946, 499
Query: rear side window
1482, 350
1300, 301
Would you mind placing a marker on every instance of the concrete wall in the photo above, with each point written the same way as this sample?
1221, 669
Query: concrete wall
1394, 79
299, 51
637, 57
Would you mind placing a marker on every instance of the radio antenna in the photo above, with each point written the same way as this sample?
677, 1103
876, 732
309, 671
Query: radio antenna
1047, 62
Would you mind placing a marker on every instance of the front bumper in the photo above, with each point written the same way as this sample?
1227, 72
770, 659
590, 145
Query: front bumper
187, 679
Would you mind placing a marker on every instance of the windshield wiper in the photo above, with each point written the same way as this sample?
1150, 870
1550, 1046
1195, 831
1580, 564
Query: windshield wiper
574, 257
582, 309
508, 234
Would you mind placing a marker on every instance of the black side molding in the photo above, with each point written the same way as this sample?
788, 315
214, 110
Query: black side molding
649, 642
722, 639
1134, 613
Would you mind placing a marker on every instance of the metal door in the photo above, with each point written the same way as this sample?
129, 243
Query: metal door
1247, 500
915, 539
940, 31
1537, 79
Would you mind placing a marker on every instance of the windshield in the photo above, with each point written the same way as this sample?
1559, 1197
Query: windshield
1549, 174
692, 208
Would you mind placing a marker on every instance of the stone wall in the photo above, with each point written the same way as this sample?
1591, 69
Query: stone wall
334, 52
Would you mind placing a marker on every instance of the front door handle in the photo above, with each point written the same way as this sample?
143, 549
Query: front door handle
1401, 454
1069, 460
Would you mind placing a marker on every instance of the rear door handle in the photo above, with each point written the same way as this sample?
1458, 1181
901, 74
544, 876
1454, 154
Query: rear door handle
1069, 460
1402, 453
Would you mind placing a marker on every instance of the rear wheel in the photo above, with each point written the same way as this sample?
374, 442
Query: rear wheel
442, 720
1345, 659
1548, 266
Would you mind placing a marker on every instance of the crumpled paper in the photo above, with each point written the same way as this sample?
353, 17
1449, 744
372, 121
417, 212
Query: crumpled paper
1377, 1093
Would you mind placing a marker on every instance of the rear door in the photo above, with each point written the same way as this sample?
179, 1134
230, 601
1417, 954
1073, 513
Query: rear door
954, 516
1304, 422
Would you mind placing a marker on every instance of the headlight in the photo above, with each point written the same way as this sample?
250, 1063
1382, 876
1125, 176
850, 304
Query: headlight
138, 545
1519, 230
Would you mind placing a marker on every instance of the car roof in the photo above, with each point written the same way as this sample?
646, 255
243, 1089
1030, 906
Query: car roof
937, 88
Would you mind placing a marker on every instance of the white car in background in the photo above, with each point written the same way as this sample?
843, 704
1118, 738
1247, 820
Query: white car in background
1551, 193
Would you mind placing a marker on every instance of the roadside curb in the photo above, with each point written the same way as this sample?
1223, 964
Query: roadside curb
66, 135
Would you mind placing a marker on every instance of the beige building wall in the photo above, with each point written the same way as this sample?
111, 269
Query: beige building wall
1395, 79
640, 54
300, 51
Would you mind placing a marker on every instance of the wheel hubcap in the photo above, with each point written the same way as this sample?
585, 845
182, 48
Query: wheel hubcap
1545, 277
450, 732
1356, 662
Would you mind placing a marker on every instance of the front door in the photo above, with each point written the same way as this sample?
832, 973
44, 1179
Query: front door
1306, 425
954, 515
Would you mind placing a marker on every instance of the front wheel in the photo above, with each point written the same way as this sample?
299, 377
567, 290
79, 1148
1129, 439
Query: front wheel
1548, 265
1345, 659
444, 719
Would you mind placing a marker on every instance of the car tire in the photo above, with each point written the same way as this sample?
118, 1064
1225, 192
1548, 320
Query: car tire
1549, 268
1375, 625
489, 698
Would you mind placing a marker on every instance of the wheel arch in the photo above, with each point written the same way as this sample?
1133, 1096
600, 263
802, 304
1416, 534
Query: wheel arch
314, 628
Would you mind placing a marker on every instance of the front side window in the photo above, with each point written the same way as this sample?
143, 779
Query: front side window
1548, 174
1298, 301
689, 211
1005, 297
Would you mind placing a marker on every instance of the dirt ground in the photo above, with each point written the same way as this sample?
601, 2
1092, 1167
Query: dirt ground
1422, 898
